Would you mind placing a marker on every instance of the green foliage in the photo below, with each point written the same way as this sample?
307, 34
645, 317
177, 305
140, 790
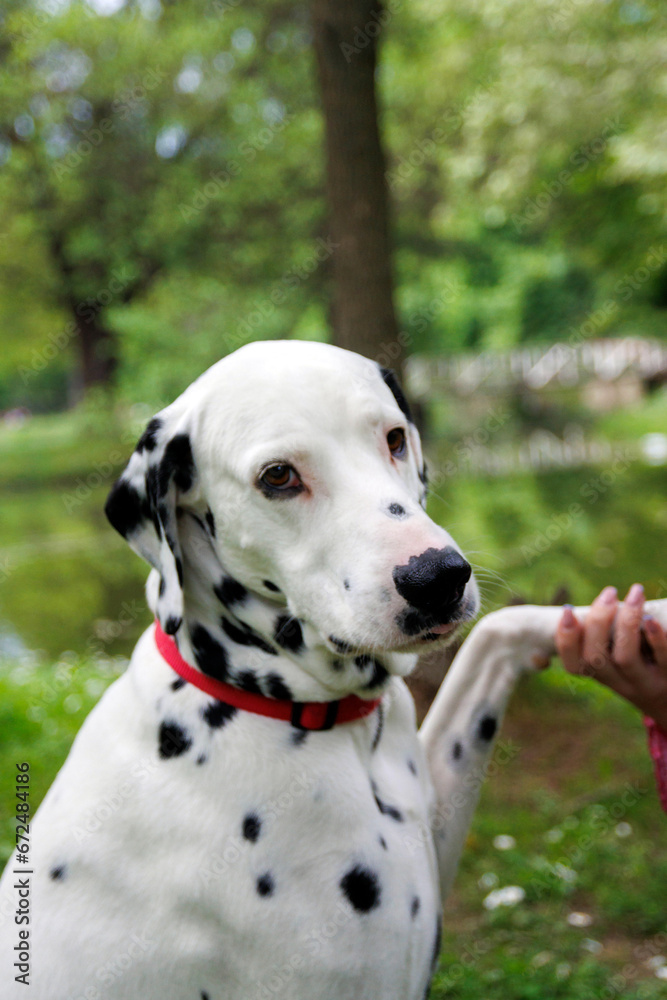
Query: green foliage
162, 167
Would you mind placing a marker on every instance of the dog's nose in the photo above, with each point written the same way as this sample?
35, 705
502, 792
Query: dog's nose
433, 581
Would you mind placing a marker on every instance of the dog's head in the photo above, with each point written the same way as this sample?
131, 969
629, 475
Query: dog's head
294, 471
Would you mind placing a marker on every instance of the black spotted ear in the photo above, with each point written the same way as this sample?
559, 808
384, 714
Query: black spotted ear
142, 507
391, 381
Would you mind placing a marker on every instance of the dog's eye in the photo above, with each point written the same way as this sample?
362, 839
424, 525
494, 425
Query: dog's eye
396, 442
280, 477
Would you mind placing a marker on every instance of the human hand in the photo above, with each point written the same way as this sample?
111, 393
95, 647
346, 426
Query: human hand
619, 647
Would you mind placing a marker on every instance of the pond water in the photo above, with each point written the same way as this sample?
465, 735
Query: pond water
68, 582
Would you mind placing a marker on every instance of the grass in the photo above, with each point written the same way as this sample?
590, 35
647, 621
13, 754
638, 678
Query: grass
577, 798
579, 801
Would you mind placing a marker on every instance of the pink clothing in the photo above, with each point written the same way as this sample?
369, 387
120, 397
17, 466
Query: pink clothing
657, 743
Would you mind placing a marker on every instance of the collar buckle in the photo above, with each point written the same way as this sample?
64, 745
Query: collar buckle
314, 716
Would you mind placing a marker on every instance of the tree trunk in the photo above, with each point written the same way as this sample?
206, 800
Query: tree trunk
97, 352
345, 39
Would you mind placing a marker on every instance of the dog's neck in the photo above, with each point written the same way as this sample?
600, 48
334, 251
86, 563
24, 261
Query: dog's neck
254, 643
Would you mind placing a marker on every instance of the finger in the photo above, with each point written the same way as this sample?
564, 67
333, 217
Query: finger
657, 640
568, 640
597, 635
627, 638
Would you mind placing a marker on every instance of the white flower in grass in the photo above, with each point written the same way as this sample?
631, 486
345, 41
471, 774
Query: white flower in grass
567, 874
623, 830
503, 842
579, 919
661, 973
657, 962
588, 944
563, 970
509, 895
488, 880
542, 958
553, 836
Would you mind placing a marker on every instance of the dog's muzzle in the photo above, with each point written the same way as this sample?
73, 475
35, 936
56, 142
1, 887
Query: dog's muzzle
433, 584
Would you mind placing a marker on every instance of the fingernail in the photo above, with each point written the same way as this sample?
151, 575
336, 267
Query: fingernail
650, 624
568, 620
635, 595
609, 595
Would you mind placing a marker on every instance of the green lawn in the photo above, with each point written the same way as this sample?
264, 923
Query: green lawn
577, 798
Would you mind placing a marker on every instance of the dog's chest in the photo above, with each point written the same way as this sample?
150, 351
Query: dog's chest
255, 861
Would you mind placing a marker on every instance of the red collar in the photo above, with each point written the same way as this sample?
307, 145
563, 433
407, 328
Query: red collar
313, 715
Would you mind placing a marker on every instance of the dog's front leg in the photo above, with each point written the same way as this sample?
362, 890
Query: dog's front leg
459, 730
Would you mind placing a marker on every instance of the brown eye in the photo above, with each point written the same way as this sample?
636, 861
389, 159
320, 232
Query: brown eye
279, 477
396, 442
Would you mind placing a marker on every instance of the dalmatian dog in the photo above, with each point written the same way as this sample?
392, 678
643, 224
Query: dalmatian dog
249, 811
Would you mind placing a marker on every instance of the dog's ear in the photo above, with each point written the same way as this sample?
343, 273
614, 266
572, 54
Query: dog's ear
143, 502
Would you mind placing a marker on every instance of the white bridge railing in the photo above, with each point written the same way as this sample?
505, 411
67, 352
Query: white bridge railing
538, 368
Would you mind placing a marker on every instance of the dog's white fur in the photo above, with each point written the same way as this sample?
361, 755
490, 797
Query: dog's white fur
150, 880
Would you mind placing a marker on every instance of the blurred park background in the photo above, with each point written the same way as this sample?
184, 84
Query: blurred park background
174, 183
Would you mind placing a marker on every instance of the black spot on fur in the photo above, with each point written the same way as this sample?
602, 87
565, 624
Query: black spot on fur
363, 661
271, 586
390, 380
162, 587
177, 464
341, 646
379, 676
217, 714
288, 634
125, 508
487, 728
397, 510
172, 624
337, 665
412, 767
265, 884
346, 584
229, 591
148, 439
252, 827
210, 520
177, 684
388, 810
457, 750
383, 843
277, 688
411, 622
423, 475
437, 943
414, 906
209, 653
202, 758
59, 873
362, 888
173, 740
247, 681
298, 737
204, 996
245, 636
378, 731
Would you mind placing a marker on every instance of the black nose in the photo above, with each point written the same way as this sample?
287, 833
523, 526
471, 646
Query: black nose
433, 581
